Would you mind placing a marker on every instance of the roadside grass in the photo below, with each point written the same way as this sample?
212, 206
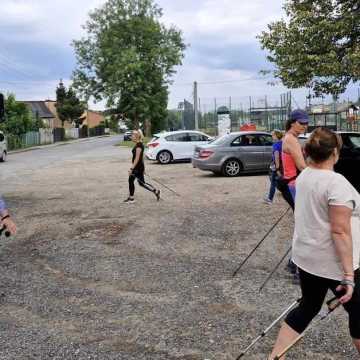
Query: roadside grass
130, 144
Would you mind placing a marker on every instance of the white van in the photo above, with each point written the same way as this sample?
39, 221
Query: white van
3, 147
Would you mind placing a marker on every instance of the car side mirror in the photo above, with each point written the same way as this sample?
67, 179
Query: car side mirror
2, 108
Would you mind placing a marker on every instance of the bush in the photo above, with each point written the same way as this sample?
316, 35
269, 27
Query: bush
14, 142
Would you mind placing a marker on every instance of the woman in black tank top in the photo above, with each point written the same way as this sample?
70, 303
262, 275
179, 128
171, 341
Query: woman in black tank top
137, 169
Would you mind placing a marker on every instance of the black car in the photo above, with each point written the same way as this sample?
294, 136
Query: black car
349, 161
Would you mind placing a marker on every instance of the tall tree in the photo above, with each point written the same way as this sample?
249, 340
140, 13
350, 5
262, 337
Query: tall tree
19, 118
128, 58
317, 46
68, 105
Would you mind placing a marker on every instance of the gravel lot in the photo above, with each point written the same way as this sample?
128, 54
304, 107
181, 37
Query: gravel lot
89, 277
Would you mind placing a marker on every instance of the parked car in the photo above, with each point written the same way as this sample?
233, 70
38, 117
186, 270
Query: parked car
3, 147
127, 135
234, 153
349, 159
175, 145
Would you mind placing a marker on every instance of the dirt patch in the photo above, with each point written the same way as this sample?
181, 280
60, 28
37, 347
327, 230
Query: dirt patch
109, 232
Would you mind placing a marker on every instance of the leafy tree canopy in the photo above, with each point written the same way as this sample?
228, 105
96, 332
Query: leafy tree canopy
68, 105
127, 58
19, 118
317, 46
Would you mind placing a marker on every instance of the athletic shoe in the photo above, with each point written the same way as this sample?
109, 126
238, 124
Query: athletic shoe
157, 194
296, 279
291, 267
267, 201
129, 200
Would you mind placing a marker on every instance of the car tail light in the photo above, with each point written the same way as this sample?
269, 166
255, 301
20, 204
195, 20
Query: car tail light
153, 145
204, 154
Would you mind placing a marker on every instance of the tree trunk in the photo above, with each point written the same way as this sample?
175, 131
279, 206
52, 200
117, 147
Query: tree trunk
147, 126
136, 122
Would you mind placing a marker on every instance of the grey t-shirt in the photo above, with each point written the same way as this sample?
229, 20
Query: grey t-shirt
313, 246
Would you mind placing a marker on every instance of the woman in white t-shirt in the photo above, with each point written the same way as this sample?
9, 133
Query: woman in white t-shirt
326, 243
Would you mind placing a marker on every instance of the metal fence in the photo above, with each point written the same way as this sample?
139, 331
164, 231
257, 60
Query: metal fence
265, 112
41, 137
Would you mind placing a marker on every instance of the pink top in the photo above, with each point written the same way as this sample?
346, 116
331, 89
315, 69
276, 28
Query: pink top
290, 169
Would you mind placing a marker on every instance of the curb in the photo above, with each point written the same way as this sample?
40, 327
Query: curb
56, 144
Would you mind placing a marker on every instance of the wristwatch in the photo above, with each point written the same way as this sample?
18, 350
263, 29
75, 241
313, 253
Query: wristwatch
348, 282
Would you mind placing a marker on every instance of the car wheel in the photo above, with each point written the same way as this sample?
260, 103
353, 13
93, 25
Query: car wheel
3, 157
164, 157
232, 167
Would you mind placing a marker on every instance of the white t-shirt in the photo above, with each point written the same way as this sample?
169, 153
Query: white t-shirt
313, 246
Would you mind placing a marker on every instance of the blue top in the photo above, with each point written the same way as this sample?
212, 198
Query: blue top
2, 205
276, 147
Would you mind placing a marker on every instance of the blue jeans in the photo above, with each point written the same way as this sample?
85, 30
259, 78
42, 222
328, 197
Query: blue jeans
272, 185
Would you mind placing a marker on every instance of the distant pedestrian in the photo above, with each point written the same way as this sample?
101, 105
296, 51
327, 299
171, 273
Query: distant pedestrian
275, 164
137, 169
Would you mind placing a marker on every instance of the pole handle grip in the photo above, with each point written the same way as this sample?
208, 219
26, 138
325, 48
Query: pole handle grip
333, 303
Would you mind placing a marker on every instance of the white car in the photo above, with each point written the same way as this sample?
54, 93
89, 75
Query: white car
3, 147
175, 145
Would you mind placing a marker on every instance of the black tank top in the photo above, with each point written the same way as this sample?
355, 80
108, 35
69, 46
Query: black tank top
140, 165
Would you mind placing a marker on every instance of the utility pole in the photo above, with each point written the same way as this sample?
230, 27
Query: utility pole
183, 116
196, 114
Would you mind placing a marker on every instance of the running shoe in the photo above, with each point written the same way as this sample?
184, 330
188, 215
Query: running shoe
129, 200
157, 194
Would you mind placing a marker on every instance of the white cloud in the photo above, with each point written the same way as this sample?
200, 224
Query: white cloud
44, 21
227, 21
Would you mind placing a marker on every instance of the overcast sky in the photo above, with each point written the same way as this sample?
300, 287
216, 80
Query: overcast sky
224, 56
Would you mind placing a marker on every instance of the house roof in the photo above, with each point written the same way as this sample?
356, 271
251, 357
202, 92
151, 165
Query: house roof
40, 108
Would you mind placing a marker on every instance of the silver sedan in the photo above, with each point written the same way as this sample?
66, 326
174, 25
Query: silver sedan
234, 153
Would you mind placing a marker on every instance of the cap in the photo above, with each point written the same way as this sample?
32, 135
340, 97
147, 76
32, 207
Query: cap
300, 115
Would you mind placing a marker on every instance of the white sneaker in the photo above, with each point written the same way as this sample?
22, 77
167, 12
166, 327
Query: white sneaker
267, 201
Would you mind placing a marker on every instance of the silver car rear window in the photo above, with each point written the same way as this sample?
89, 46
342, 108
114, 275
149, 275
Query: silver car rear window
219, 141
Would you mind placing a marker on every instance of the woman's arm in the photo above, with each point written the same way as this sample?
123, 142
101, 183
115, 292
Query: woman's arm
5, 217
340, 221
294, 148
277, 160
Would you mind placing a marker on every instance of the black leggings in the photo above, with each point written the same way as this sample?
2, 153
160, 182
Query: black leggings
314, 289
139, 175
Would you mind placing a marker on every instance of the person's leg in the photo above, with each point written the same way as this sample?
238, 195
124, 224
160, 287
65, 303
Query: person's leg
291, 266
292, 190
272, 186
131, 186
313, 289
353, 309
130, 198
147, 186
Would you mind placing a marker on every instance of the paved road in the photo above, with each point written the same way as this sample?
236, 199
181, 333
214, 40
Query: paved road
18, 165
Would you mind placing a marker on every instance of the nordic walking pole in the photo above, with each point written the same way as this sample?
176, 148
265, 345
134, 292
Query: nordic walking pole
332, 305
268, 329
160, 183
260, 242
275, 268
